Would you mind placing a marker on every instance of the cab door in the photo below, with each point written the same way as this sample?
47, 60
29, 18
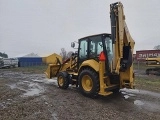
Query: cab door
83, 51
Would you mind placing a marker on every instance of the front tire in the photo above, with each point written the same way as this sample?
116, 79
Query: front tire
62, 79
89, 83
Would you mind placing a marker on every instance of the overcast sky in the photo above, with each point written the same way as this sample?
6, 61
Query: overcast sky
46, 26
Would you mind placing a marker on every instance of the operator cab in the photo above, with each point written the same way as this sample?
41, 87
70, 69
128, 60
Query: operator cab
92, 46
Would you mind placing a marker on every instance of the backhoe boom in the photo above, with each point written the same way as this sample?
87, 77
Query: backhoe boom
123, 45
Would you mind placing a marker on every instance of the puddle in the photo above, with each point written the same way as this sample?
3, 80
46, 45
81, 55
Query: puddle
16, 86
2, 105
148, 105
34, 89
30, 88
138, 102
154, 94
9, 99
25, 81
32, 92
133, 94
54, 115
152, 106
29, 83
13, 86
46, 81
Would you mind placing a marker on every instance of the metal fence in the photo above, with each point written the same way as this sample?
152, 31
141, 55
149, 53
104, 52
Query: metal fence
28, 64
140, 67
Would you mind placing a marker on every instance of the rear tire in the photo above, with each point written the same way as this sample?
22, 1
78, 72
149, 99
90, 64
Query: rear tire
62, 79
89, 83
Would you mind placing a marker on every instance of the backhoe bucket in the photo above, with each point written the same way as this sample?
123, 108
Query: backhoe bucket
52, 70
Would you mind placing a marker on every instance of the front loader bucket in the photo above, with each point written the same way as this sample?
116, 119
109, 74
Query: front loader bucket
52, 70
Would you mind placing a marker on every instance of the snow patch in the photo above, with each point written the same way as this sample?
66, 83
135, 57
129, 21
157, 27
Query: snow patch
138, 102
54, 115
126, 96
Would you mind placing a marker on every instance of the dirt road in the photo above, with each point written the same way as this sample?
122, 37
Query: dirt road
30, 96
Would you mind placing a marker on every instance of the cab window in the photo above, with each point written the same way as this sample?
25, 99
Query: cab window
83, 49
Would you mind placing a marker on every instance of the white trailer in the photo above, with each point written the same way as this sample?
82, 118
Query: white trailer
8, 62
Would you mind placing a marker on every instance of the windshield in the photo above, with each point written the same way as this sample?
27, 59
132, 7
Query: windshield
109, 49
95, 46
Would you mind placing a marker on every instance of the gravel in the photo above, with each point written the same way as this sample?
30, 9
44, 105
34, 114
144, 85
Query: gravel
30, 96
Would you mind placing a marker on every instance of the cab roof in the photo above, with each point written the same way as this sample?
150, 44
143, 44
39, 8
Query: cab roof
106, 34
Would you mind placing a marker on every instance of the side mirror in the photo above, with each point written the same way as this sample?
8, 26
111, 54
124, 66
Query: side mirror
72, 44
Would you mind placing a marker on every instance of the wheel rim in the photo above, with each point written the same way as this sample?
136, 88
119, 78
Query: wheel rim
87, 83
60, 80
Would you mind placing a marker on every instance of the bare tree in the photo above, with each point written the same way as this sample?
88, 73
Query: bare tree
157, 47
4, 55
65, 55
69, 54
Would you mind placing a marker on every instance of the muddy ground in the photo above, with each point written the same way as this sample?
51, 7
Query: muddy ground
28, 95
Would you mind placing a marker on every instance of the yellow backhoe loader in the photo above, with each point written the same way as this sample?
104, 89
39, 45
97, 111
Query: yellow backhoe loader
103, 63
153, 66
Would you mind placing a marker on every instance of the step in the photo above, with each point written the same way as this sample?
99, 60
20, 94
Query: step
111, 87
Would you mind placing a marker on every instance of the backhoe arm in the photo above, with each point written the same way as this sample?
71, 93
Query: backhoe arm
123, 44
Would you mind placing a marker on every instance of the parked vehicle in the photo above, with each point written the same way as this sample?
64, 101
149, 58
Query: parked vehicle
154, 65
103, 63
8, 62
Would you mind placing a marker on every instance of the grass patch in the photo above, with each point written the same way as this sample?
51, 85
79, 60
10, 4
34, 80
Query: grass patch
142, 81
148, 82
139, 66
31, 69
